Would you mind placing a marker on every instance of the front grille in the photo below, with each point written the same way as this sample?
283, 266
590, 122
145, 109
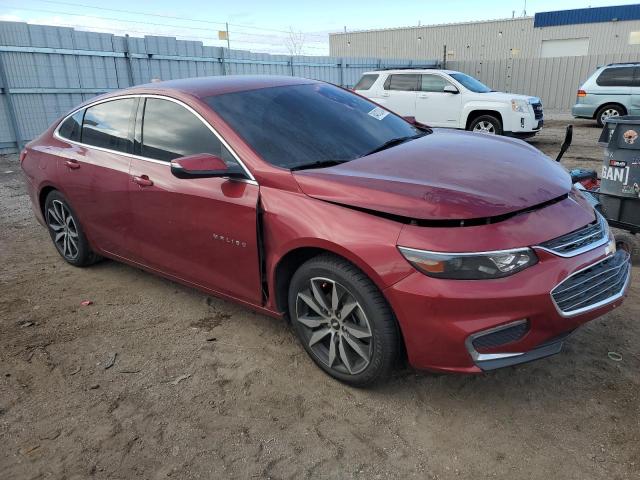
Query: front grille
594, 286
500, 337
537, 110
581, 240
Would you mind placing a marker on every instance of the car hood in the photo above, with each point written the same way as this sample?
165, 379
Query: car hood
507, 97
447, 175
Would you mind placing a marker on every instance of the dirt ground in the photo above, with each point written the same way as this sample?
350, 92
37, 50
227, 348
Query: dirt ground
202, 388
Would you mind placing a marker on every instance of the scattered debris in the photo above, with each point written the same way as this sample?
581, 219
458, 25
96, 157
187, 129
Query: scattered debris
86, 303
211, 339
51, 435
180, 378
26, 324
77, 369
29, 449
615, 356
7, 172
110, 361
94, 386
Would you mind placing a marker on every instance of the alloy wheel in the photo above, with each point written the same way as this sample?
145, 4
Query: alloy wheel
64, 228
335, 326
485, 127
609, 112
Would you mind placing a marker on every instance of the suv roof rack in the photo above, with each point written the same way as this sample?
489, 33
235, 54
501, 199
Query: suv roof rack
623, 63
413, 67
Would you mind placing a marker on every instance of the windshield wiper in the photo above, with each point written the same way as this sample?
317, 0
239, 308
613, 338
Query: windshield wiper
393, 142
318, 164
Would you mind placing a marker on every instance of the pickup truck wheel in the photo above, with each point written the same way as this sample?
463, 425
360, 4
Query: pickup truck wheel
486, 124
343, 321
66, 232
607, 111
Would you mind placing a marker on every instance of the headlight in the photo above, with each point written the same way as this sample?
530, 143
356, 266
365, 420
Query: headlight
519, 106
470, 266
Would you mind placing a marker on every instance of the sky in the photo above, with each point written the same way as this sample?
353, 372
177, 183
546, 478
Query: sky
273, 26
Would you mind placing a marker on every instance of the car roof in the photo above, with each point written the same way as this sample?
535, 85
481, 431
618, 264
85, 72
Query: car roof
202, 87
411, 70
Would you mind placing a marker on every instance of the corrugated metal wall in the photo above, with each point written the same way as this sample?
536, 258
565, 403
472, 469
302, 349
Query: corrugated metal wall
616, 13
554, 80
484, 40
45, 71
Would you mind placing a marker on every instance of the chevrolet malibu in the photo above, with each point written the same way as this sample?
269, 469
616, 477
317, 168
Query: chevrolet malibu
378, 239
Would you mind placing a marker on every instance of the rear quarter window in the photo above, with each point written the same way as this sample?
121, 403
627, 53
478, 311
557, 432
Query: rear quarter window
366, 82
71, 128
616, 77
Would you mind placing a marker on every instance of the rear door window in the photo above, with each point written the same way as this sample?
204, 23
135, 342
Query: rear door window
366, 82
170, 131
71, 128
616, 77
405, 82
107, 125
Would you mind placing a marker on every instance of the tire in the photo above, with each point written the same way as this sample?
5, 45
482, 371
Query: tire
66, 232
369, 327
629, 242
486, 124
607, 111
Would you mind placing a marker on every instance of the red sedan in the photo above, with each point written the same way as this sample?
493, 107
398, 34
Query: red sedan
376, 237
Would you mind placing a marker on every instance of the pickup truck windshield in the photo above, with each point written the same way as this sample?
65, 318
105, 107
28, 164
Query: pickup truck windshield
311, 124
471, 83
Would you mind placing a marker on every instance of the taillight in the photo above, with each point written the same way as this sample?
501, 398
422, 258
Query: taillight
23, 155
582, 93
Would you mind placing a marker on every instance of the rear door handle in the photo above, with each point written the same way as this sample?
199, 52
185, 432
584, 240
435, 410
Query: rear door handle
384, 94
73, 164
423, 95
142, 180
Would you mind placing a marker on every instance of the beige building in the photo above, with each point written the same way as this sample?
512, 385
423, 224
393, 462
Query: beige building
593, 31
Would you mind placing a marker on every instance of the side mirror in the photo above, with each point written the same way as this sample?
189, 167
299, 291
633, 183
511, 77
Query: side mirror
450, 89
203, 165
568, 136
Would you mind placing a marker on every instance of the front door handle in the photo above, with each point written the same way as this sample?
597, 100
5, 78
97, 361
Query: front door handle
423, 95
384, 94
72, 164
142, 180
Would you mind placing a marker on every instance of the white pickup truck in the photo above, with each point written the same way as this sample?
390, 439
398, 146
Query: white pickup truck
446, 98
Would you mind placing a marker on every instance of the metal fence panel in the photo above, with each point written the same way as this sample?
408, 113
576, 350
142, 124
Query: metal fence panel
50, 69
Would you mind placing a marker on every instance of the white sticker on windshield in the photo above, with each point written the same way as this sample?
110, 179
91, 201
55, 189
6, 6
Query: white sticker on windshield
378, 113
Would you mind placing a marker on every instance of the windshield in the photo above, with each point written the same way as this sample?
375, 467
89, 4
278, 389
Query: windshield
471, 83
303, 125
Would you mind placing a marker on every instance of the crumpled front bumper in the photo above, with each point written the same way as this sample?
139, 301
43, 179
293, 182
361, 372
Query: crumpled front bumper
438, 317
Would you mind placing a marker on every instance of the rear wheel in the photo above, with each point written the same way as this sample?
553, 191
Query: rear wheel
343, 321
607, 111
486, 124
66, 232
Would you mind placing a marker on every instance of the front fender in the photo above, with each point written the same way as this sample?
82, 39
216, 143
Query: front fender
293, 220
473, 106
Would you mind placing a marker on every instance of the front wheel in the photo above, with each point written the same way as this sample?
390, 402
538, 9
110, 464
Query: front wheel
486, 124
343, 321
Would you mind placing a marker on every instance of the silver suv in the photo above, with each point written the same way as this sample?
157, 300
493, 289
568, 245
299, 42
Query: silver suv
611, 91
